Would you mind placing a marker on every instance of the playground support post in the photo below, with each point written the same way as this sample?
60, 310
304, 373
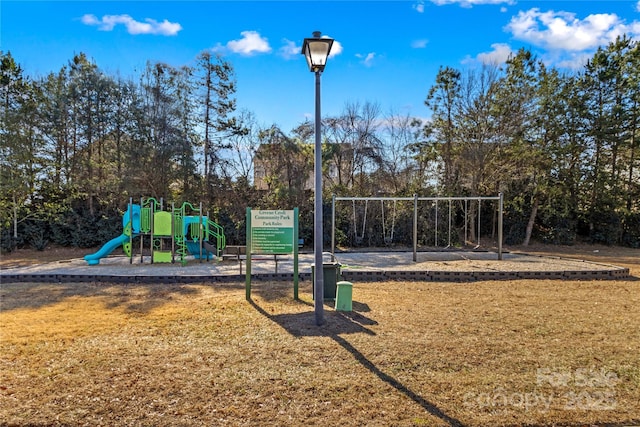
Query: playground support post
142, 234
201, 231
152, 214
130, 208
152, 206
173, 233
206, 232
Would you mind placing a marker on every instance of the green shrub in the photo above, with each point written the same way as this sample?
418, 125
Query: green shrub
7, 242
631, 230
36, 233
605, 227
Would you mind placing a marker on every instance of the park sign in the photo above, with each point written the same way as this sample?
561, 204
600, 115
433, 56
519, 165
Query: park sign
272, 232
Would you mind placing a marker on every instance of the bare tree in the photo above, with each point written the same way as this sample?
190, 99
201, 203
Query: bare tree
354, 148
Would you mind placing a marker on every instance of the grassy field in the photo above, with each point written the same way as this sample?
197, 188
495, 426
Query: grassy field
494, 353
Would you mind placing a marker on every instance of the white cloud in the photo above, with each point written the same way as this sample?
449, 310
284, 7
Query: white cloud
419, 6
419, 44
289, 49
367, 59
471, 3
336, 48
499, 54
149, 26
89, 19
562, 30
251, 43
575, 61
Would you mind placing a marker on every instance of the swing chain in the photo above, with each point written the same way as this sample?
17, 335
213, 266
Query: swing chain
359, 238
388, 239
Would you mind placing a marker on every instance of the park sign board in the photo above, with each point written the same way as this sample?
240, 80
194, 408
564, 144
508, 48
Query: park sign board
272, 231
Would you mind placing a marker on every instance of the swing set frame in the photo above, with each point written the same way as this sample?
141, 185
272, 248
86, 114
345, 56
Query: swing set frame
388, 239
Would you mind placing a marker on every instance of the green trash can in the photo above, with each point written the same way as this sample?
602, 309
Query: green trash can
344, 296
331, 272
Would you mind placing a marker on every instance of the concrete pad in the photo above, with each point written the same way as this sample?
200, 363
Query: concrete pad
363, 266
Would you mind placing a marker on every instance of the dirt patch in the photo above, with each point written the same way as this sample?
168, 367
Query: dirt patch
498, 353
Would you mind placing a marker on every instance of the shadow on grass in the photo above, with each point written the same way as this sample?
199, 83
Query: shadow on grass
138, 298
341, 323
303, 324
275, 290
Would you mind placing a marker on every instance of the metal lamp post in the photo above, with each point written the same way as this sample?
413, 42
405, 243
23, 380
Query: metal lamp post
316, 50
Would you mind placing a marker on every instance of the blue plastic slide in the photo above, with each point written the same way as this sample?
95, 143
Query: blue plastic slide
106, 249
194, 249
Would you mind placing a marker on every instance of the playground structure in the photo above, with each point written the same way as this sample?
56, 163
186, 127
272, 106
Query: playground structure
172, 235
462, 217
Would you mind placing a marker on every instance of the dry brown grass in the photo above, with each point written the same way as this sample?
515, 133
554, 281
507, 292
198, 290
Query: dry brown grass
486, 353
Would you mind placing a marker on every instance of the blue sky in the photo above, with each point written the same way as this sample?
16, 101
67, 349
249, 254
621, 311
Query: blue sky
387, 52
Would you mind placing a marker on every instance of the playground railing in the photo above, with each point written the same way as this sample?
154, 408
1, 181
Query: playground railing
145, 219
217, 231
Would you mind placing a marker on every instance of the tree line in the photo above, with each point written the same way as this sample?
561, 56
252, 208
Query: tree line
561, 146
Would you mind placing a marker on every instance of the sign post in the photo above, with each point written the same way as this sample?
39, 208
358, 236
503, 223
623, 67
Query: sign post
272, 232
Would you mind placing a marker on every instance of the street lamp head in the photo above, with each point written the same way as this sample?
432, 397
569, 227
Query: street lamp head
316, 49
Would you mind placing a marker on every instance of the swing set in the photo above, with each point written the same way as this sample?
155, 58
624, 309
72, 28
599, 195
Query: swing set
360, 206
387, 235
